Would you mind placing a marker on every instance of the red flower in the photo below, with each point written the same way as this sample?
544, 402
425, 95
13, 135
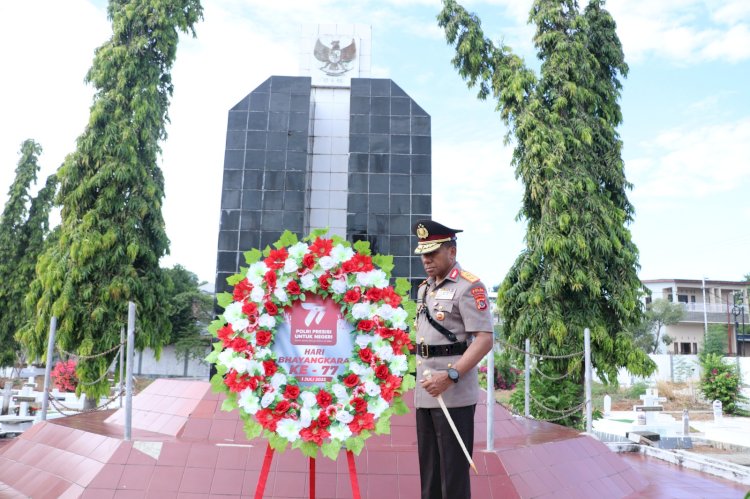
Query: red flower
321, 247
359, 404
362, 422
270, 279
276, 258
388, 389
270, 367
314, 433
366, 355
282, 407
382, 372
242, 289
236, 382
400, 339
365, 325
249, 308
324, 398
391, 297
263, 337
293, 288
351, 381
325, 281
352, 296
271, 308
308, 260
323, 420
267, 419
224, 333
385, 332
238, 344
291, 392
358, 263
374, 294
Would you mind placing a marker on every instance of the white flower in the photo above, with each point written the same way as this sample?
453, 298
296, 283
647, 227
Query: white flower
364, 339
344, 417
361, 370
277, 380
297, 251
374, 278
233, 313
262, 353
308, 399
339, 432
398, 319
267, 321
372, 388
255, 368
341, 253
280, 294
326, 262
380, 280
305, 417
307, 281
256, 271
289, 429
377, 406
267, 399
290, 265
225, 357
341, 394
399, 365
239, 364
248, 401
385, 311
339, 286
257, 294
385, 352
361, 311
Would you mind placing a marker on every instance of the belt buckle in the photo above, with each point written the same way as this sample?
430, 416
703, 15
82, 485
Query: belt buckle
423, 350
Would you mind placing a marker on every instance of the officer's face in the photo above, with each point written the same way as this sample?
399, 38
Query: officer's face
438, 263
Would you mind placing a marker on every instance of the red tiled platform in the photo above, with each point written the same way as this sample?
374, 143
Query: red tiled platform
185, 446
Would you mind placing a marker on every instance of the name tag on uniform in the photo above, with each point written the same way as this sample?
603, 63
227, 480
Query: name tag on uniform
445, 294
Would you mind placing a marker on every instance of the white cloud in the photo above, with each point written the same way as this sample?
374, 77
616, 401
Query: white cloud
690, 163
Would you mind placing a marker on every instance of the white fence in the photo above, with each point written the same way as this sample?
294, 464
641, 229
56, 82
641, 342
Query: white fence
679, 368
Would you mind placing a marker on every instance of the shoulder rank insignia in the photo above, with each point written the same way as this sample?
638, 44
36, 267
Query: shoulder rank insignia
469, 276
453, 274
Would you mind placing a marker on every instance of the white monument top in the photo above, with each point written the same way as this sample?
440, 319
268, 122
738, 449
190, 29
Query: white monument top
333, 54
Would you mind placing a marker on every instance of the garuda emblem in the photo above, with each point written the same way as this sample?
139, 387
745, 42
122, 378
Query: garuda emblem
336, 59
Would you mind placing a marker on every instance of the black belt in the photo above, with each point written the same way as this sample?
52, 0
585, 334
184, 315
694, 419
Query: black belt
426, 351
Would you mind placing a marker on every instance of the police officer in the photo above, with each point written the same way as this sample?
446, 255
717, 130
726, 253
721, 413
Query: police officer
453, 333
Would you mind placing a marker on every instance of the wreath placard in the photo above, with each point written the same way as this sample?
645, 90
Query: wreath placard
334, 402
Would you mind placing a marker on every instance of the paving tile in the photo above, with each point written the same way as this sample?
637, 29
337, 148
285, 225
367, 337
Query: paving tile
196, 480
203, 456
174, 454
166, 478
232, 458
227, 481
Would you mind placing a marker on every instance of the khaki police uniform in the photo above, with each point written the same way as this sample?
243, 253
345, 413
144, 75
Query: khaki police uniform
459, 303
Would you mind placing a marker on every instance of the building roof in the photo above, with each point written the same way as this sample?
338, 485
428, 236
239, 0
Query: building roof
698, 282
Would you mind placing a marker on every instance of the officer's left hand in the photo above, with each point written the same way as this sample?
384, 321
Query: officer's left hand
437, 383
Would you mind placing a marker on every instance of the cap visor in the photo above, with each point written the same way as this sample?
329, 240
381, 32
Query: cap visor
428, 247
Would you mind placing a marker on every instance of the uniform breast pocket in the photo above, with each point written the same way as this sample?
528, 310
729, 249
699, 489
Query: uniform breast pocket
441, 309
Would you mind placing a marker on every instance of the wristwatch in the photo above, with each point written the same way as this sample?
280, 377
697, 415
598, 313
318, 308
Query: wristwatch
453, 374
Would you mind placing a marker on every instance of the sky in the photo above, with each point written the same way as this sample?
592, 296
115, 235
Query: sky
685, 103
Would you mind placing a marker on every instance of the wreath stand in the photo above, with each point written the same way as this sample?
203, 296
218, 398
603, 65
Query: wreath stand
261, 487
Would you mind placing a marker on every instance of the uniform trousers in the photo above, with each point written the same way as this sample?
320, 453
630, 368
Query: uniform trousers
443, 467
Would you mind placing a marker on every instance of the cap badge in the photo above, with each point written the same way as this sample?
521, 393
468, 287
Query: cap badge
422, 231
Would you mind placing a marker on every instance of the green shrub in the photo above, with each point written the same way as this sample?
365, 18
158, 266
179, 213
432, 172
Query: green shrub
506, 375
721, 381
561, 395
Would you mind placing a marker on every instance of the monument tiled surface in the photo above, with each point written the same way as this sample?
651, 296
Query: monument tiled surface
84, 456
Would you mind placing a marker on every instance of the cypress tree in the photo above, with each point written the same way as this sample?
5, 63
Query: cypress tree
112, 233
579, 267
13, 285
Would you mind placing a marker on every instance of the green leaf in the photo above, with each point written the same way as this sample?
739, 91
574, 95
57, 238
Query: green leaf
266, 251
309, 449
402, 286
230, 403
215, 325
212, 357
399, 407
217, 383
287, 239
336, 239
252, 256
253, 429
385, 262
233, 280
408, 383
355, 444
383, 426
331, 449
362, 247
316, 233
277, 442
224, 299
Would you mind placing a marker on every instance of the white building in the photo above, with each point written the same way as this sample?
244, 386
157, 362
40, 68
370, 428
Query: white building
716, 308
